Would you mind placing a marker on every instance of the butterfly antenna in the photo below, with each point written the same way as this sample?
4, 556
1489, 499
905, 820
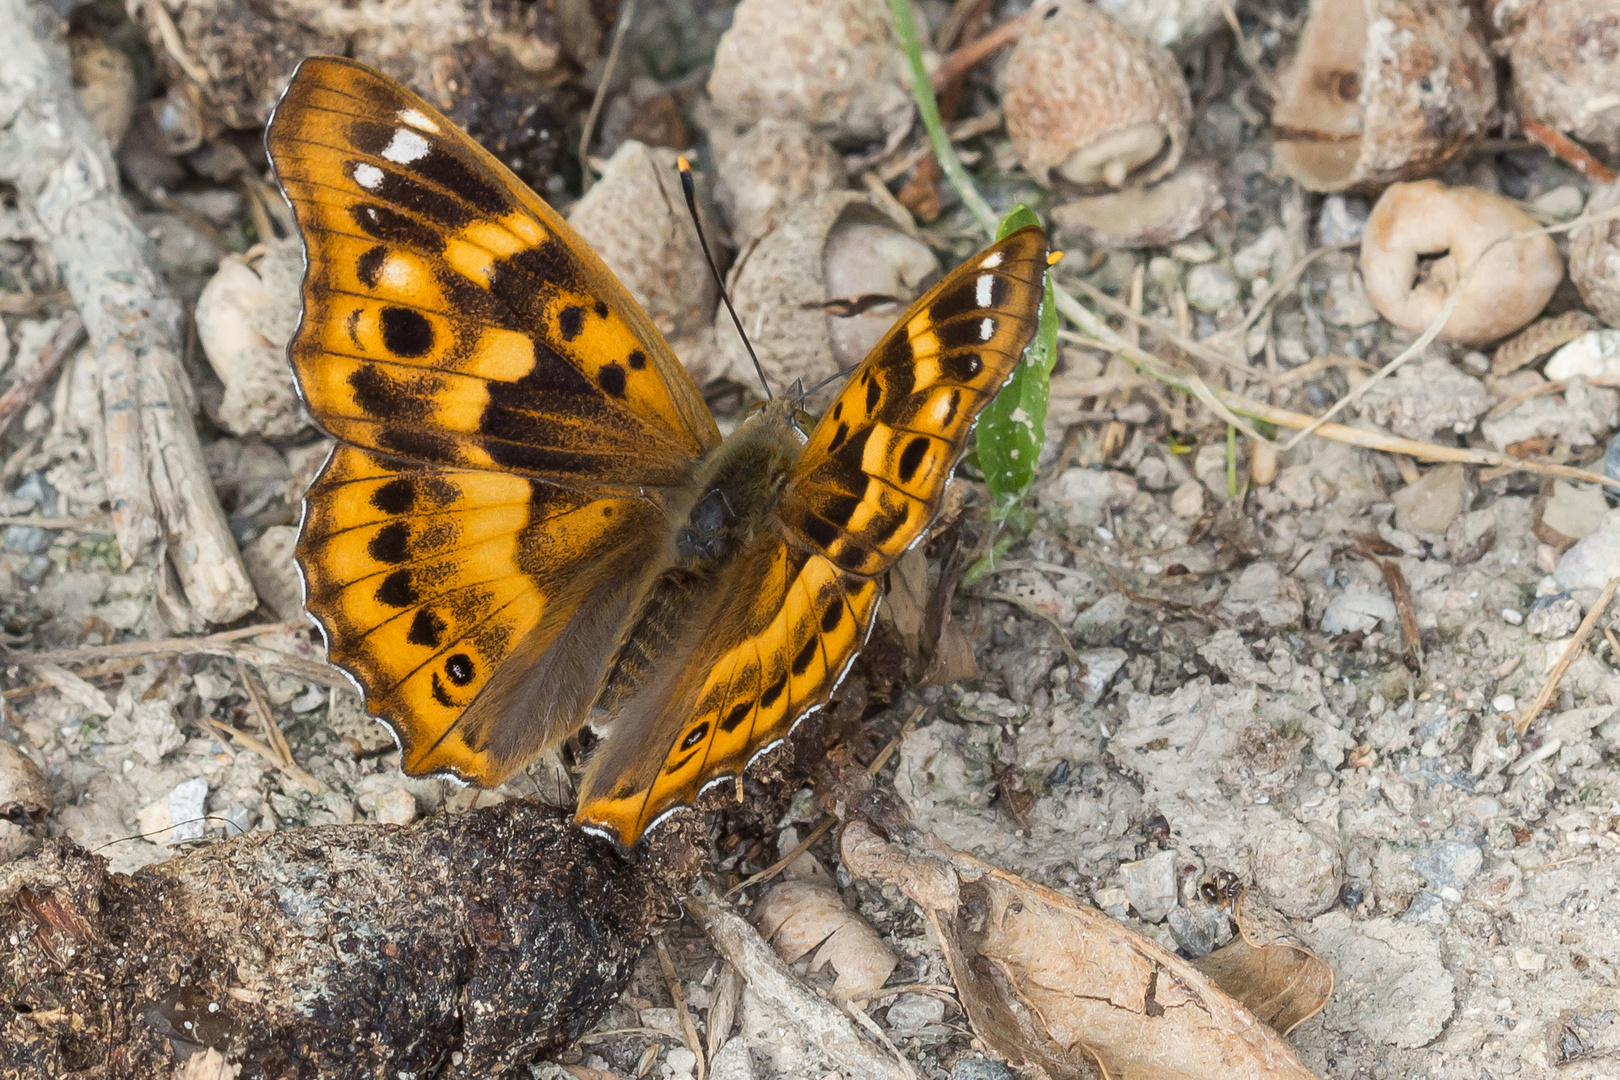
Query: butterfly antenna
839, 374
689, 189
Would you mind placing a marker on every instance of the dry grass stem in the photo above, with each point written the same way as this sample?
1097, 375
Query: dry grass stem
1572, 650
688, 1026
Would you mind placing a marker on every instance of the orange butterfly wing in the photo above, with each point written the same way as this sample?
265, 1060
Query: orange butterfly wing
791, 613
514, 426
871, 478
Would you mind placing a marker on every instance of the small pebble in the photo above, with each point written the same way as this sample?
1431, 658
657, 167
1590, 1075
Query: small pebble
1151, 885
397, 807
1300, 868
681, 1060
912, 1011
1342, 220
1211, 288
1187, 501
1512, 616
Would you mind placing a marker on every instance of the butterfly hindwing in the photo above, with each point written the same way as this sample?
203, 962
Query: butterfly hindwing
871, 477
434, 584
450, 316
772, 647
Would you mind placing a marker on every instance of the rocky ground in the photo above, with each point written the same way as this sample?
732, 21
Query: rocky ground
1196, 657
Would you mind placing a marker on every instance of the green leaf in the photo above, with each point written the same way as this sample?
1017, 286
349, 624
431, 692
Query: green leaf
1012, 428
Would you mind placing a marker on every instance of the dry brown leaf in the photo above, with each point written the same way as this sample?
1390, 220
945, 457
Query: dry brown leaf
1280, 981
797, 916
1050, 983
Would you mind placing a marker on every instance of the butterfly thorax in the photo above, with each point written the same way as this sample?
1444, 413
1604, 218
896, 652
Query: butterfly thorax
731, 500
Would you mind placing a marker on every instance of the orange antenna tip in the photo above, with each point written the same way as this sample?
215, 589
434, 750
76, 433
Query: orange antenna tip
682, 164
1053, 258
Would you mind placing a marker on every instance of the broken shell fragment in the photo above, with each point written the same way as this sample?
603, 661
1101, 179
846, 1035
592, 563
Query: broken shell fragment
1382, 90
832, 64
1090, 103
818, 290
245, 316
1594, 256
1422, 238
1565, 56
1153, 216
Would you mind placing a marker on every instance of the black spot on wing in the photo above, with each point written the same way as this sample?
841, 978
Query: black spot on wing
819, 531
462, 181
396, 590
736, 716
395, 497
392, 227
961, 366
391, 543
911, 458
406, 332
460, 669
601, 309
637, 359
838, 437
874, 393
369, 266
964, 297
417, 443
570, 321
839, 509
832, 617
695, 736
402, 189
380, 395
610, 377
801, 662
964, 332
427, 629
773, 691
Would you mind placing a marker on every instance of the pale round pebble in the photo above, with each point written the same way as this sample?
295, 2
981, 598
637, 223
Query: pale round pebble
397, 807
1300, 868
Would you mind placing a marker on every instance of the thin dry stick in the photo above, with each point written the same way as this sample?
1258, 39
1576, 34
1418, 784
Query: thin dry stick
267, 718
827, 822
679, 998
1186, 344
626, 13
1550, 687
1438, 323
163, 647
61, 346
958, 62
880, 1035
289, 769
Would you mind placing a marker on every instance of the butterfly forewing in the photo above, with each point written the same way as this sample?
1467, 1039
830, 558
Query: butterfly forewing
450, 316
871, 477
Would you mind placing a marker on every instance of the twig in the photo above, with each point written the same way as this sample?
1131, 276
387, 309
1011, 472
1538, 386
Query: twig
1568, 151
823, 1024
876, 1032
627, 12
1550, 686
1186, 344
61, 346
267, 718
960, 61
289, 769
827, 822
164, 506
679, 999
162, 647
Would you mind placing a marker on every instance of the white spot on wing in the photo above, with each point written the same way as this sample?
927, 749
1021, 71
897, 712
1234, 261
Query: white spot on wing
406, 147
991, 262
368, 176
987, 329
983, 288
417, 120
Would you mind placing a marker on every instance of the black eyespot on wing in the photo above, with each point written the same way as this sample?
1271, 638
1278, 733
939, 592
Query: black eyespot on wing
395, 497
396, 590
695, 736
391, 543
426, 629
831, 618
610, 377
369, 266
460, 669
961, 366
601, 310
773, 691
912, 457
406, 332
801, 662
838, 410
874, 393
737, 715
570, 321
954, 335
637, 359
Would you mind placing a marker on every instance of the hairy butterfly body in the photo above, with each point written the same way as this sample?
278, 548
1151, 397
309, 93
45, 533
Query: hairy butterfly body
531, 523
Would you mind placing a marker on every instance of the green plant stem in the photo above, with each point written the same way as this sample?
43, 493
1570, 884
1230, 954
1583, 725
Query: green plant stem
928, 110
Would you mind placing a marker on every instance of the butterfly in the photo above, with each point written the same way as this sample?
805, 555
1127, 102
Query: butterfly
530, 523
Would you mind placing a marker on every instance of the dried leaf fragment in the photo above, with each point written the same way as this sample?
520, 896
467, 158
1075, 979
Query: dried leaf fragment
1049, 983
798, 916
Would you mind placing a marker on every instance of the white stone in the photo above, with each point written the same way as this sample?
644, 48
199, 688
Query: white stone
1595, 354
1150, 885
1188, 500
1593, 560
397, 807
178, 816
681, 1060
1349, 612
1210, 288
